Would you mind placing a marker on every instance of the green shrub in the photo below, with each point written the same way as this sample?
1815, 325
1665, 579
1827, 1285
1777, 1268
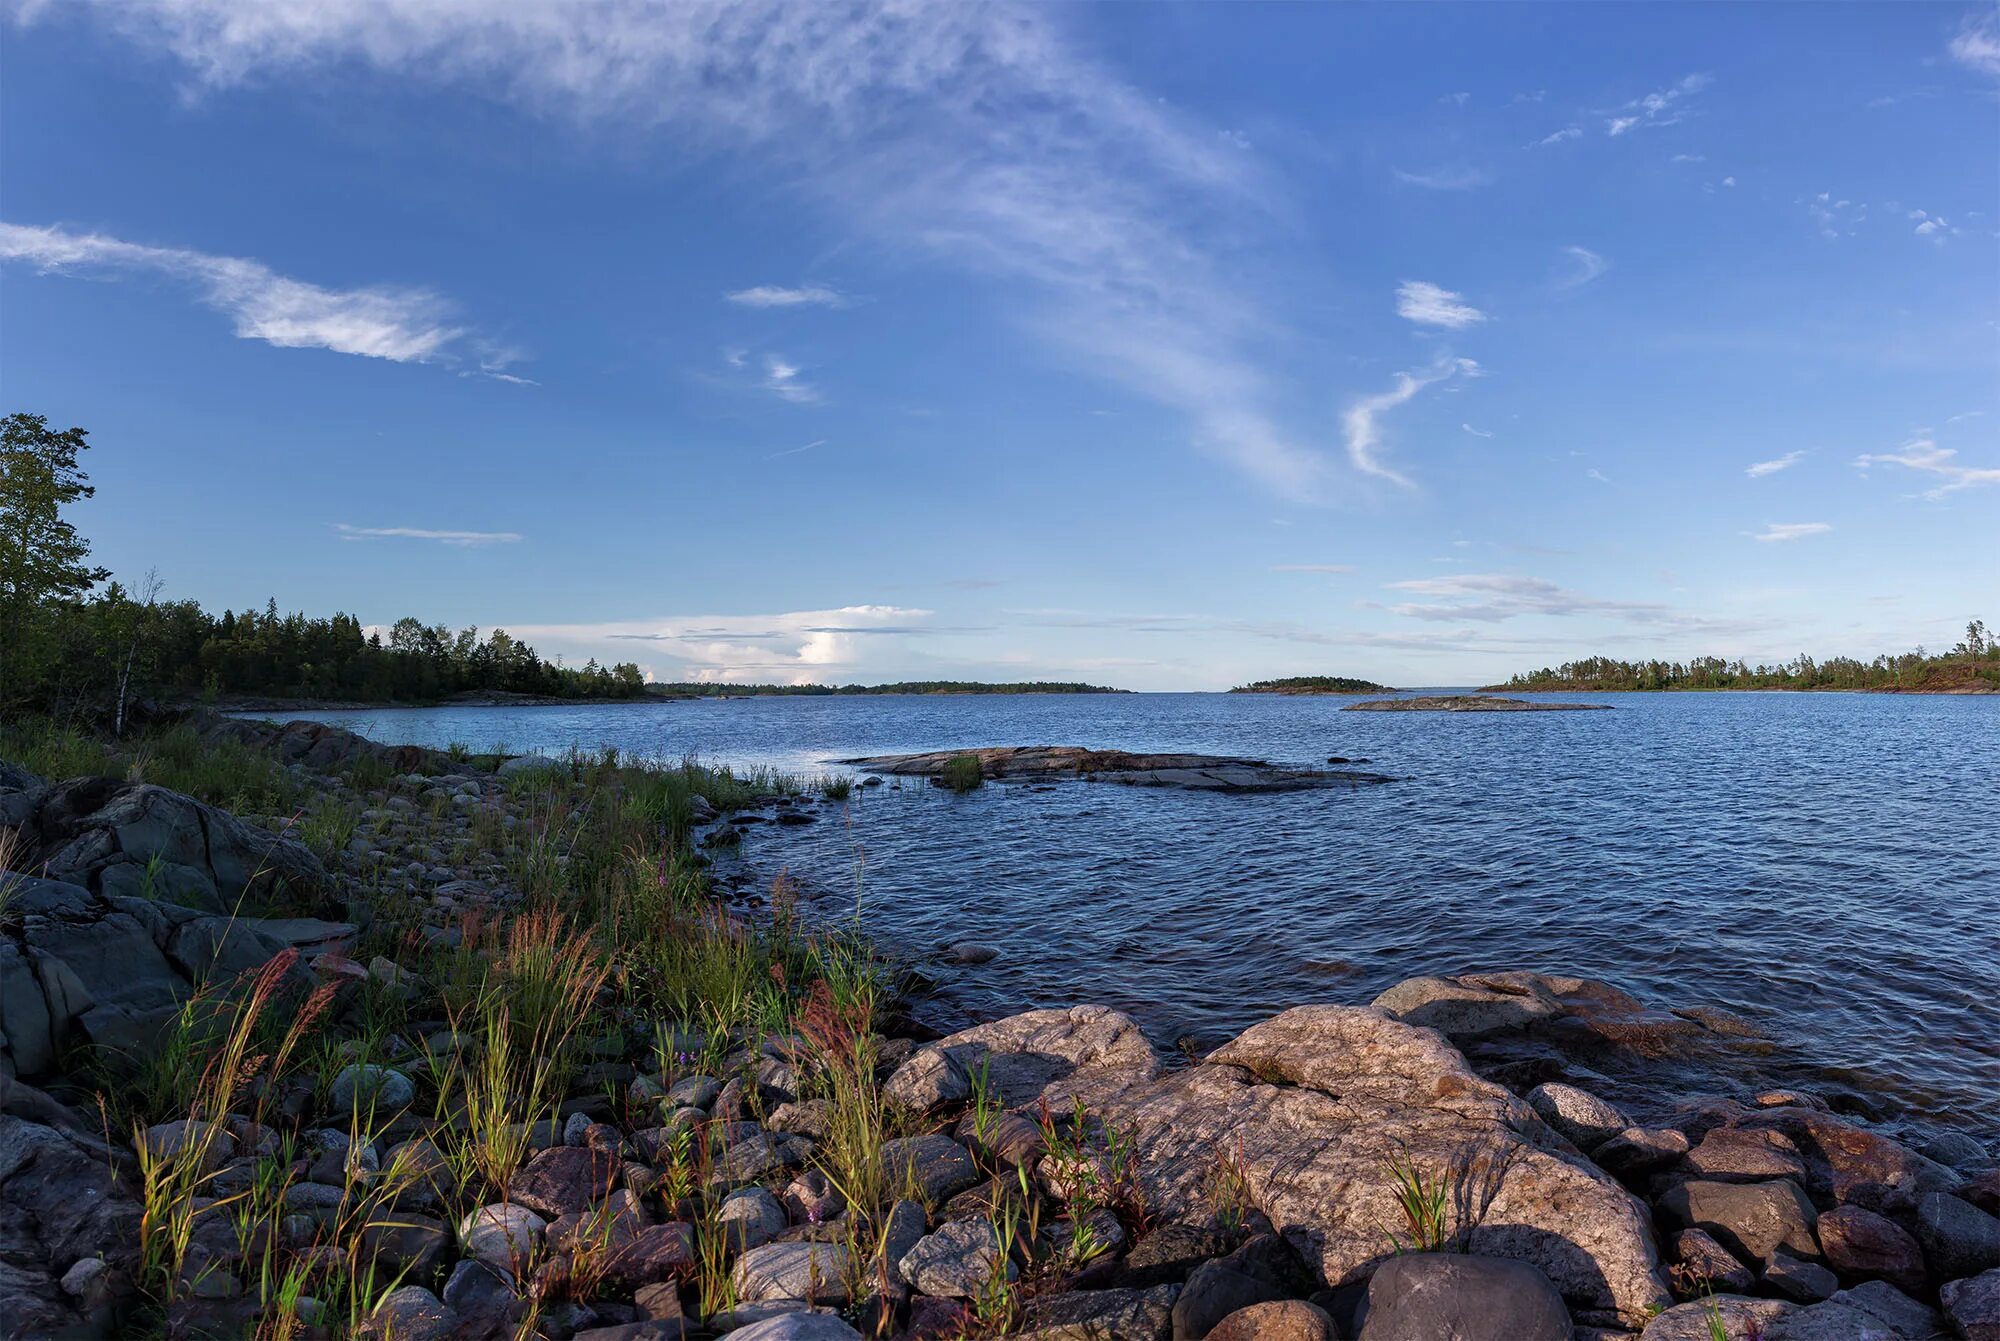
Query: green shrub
963, 773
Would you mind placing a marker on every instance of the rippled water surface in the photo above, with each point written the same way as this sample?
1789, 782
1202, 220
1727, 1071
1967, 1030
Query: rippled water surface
1827, 865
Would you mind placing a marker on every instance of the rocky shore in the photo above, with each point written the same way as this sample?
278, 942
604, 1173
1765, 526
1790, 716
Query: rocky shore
1480, 1157
1048, 763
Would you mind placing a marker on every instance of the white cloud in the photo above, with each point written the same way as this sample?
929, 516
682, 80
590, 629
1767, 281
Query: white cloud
1777, 533
794, 451
1688, 158
1597, 476
1455, 178
1925, 455
1364, 435
463, 539
1772, 467
781, 379
1491, 597
972, 134
1933, 226
1977, 45
1558, 137
797, 647
1312, 567
1664, 108
1476, 432
1430, 305
399, 324
1585, 265
774, 295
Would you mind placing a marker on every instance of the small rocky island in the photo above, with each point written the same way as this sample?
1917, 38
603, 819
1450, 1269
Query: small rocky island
1467, 703
1312, 685
1189, 772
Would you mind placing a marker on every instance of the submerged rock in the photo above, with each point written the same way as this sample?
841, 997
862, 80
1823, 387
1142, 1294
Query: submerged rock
1467, 703
1189, 772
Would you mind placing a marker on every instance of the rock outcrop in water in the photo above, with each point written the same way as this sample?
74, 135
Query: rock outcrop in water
1466, 703
1188, 772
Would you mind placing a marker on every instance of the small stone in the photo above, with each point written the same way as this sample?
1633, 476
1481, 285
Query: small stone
503, 1236
936, 1165
1702, 1260
1859, 1242
1278, 1320
752, 1217
1805, 1282
1737, 1155
1973, 1305
204, 1143
411, 1314
370, 1086
957, 1261
574, 1128
931, 1079
1958, 1238
1421, 1296
1583, 1119
815, 1272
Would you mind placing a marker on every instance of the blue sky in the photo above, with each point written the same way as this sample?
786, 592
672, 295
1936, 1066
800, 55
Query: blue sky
1159, 346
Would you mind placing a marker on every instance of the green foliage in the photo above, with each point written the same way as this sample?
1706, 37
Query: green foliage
1973, 662
43, 561
1312, 684
963, 773
1425, 1203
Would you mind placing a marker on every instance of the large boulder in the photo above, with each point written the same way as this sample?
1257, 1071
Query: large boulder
1973, 1305
1042, 1053
1859, 1242
1315, 1108
1846, 1163
69, 1224
1753, 1220
318, 746
136, 839
108, 970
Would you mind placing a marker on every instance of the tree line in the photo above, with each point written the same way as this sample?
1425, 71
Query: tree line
1975, 659
714, 689
74, 639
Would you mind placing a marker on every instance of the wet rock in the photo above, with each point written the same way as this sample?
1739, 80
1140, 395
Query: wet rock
1752, 1220
1805, 1282
565, 1179
370, 1087
1451, 1297
1188, 772
1102, 1315
1279, 1320
1315, 1104
1739, 1317
1849, 1164
937, 1165
1895, 1310
1735, 1154
1973, 1305
1583, 1119
1958, 1238
1702, 1259
816, 1272
411, 1314
956, 1262
504, 1236
1859, 1242
1983, 1191
752, 1217
1460, 1008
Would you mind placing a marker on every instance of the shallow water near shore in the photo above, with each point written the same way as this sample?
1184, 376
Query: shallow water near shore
1826, 866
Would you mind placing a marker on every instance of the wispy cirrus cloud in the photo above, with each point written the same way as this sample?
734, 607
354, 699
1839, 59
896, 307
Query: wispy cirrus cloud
777, 295
1584, 265
975, 135
1977, 43
1664, 108
1312, 567
1458, 177
1778, 533
1433, 305
797, 646
1923, 454
1563, 136
1477, 432
1492, 597
781, 379
1360, 422
1762, 468
402, 325
461, 539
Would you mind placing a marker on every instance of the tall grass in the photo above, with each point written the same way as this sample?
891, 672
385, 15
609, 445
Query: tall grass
963, 773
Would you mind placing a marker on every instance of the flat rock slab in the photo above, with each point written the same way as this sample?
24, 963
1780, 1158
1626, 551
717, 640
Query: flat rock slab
1468, 703
1188, 772
1312, 1107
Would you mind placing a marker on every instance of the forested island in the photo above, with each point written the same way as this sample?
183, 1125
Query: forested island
71, 635
1970, 667
710, 689
1313, 684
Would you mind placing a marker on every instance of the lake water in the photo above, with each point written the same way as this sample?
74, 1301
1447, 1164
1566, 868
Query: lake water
1825, 865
